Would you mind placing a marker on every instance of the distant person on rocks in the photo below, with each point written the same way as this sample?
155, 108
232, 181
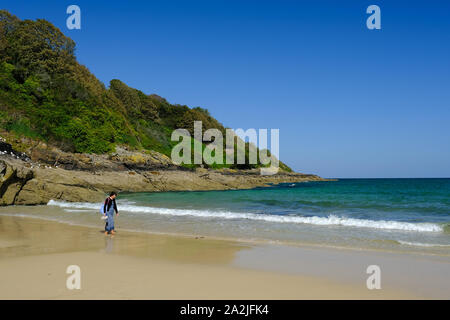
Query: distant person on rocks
108, 210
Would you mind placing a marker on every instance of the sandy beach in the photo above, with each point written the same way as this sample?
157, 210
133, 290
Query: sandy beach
34, 256
173, 150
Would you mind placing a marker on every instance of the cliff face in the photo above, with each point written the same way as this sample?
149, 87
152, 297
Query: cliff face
12, 181
48, 173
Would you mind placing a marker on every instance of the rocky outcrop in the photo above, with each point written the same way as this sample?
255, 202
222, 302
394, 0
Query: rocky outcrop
12, 181
121, 160
53, 174
21, 185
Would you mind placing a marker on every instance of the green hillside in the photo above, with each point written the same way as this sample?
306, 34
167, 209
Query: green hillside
46, 94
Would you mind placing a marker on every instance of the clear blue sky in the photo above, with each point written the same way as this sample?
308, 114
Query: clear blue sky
349, 102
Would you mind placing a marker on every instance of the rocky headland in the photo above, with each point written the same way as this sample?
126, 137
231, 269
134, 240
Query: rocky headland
42, 173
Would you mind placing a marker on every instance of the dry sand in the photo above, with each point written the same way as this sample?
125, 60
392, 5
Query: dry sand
34, 256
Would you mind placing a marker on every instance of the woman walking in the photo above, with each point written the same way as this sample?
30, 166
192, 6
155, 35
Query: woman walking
108, 210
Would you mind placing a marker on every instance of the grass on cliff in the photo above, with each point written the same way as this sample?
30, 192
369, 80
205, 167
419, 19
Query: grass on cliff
46, 94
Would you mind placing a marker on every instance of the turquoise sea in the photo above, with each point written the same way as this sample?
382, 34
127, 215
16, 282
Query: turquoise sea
383, 214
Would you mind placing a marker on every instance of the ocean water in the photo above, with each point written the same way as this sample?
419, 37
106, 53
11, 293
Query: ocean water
383, 214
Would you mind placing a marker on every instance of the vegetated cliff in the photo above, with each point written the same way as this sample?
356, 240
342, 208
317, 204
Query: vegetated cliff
64, 135
46, 95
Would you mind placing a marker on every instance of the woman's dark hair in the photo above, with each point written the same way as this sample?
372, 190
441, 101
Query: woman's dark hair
112, 194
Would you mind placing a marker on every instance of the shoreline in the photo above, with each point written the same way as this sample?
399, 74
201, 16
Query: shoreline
243, 241
38, 242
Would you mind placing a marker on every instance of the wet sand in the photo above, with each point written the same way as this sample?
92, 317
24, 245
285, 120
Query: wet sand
34, 256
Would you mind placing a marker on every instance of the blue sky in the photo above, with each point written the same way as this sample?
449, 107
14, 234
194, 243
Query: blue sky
349, 102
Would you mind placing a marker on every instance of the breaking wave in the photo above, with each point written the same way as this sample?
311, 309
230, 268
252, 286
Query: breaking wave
331, 220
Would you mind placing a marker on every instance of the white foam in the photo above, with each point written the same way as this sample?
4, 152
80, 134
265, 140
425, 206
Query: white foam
419, 244
323, 221
79, 205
